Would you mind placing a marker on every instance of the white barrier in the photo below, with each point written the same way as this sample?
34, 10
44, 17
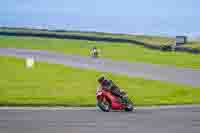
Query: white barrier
29, 62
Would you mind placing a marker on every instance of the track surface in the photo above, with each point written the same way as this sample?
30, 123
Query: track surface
148, 71
164, 120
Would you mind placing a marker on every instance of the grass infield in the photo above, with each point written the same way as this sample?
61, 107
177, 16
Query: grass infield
53, 85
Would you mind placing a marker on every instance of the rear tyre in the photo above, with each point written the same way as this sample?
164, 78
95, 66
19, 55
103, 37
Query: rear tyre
104, 106
95, 55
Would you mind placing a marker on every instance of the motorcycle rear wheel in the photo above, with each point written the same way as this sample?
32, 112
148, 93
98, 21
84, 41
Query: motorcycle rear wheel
104, 106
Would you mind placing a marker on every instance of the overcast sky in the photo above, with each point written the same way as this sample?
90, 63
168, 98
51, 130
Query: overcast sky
100, 14
105, 7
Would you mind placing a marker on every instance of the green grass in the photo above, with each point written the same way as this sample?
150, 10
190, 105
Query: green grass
51, 84
116, 51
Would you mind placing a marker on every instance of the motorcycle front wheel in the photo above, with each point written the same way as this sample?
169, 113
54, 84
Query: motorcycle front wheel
129, 107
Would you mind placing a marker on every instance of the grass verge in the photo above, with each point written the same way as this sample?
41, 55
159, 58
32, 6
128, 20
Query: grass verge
52, 84
194, 45
115, 51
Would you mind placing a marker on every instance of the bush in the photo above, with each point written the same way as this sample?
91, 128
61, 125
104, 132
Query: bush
166, 47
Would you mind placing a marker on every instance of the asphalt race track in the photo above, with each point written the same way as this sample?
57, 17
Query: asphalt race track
149, 120
148, 71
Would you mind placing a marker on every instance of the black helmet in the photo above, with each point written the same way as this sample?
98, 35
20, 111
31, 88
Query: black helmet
100, 79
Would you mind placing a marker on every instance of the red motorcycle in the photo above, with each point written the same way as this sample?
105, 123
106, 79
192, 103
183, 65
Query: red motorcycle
106, 101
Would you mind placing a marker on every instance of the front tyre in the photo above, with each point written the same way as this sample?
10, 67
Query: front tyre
129, 107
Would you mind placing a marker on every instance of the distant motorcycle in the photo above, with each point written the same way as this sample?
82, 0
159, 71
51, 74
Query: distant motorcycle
94, 53
106, 101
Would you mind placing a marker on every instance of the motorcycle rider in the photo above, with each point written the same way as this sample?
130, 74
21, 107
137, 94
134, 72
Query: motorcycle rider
113, 88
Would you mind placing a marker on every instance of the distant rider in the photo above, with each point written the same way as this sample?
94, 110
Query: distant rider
94, 52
